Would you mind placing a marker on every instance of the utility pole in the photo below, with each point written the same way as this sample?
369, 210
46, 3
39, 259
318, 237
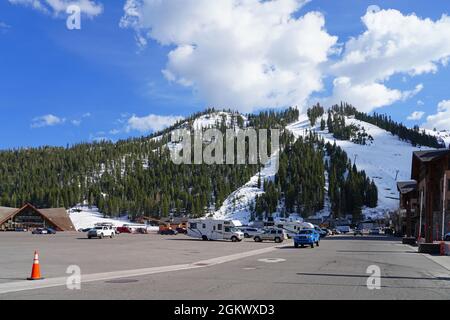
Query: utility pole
444, 193
396, 174
356, 156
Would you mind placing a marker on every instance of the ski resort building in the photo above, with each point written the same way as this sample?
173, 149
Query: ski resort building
425, 200
29, 217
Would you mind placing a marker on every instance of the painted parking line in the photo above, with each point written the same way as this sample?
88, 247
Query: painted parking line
61, 281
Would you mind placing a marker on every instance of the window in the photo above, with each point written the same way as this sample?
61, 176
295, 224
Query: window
204, 226
227, 229
448, 185
219, 227
273, 232
193, 226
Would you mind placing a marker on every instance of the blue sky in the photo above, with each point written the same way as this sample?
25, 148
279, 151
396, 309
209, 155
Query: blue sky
92, 81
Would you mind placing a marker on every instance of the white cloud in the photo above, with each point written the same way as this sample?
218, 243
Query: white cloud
4, 27
151, 123
367, 96
393, 43
76, 122
243, 54
440, 120
416, 115
57, 7
47, 121
411, 93
114, 132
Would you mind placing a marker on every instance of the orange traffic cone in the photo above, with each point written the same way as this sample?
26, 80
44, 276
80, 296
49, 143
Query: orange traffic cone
36, 270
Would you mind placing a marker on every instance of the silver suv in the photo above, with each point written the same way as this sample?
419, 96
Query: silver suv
277, 235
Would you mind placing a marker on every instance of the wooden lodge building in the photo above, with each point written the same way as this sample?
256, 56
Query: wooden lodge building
425, 200
29, 217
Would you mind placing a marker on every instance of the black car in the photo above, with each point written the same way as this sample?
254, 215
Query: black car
358, 232
43, 231
169, 232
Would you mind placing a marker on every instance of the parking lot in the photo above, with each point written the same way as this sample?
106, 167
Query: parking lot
177, 267
125, 251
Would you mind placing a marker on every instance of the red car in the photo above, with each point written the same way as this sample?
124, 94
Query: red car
123, 230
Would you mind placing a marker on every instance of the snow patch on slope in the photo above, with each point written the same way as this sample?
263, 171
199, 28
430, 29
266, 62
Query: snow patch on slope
213, 120
237, 205
84, 217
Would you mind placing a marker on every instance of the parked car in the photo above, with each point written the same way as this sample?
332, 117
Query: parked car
123, 230
277, 235
447, 237
168, 232
181, 230
101, 232
308, 237
249, 232
43, 231
142, 230
344, 229
336, 232
322, 232
84, 229
358, 232
375, 231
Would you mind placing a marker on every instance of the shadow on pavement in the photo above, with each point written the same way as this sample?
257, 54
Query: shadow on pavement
374, 251
365, 276
369, 238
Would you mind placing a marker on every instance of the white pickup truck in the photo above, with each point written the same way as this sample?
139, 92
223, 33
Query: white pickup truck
101, 232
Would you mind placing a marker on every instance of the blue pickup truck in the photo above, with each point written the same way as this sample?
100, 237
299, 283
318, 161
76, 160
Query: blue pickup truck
306, 237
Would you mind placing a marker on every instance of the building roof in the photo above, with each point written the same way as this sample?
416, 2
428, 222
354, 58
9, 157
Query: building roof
405, 187
57, 216
427, 156
5, 213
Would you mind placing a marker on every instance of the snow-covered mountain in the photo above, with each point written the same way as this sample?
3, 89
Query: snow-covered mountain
386, 160
443, 135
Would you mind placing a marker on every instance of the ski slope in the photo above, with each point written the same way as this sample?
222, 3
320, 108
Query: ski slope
237, 205
386, 160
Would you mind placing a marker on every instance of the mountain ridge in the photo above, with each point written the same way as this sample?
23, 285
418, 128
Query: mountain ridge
111, 175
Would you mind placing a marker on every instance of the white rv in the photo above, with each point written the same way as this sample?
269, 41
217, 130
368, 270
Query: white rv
211, 229
291, 227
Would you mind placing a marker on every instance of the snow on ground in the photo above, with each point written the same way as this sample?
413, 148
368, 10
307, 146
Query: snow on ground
382, 160
213, 120
237, 205
89, 216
